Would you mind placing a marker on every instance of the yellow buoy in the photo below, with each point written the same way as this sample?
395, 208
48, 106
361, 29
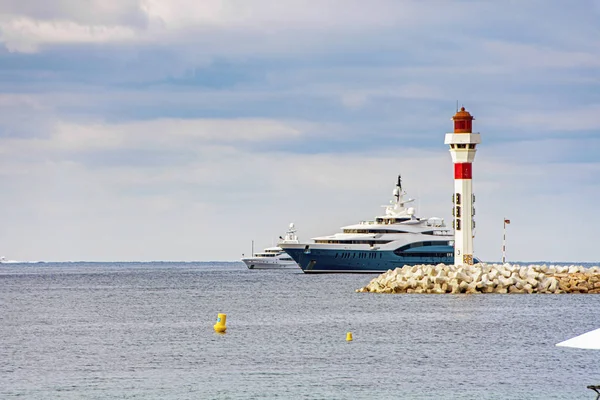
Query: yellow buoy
349, 336
220, 326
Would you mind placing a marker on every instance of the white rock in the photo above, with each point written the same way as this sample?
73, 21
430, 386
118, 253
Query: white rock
573, 269
519, 284
553, 285
492, 274
543, 285
522, 272
462, 277
531, 282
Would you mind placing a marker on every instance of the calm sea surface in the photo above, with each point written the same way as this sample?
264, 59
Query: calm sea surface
144, 331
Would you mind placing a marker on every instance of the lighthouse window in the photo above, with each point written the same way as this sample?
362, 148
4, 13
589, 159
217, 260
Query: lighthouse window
461, 146
457, 211
457, 198
471, 145
458, 224
451, 146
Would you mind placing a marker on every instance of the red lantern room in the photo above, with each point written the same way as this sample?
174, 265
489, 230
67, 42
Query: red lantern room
463, 121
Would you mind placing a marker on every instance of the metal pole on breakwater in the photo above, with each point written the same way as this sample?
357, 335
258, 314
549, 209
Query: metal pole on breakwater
506, 222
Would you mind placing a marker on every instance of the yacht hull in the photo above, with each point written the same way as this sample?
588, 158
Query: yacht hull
257, 263
362, 261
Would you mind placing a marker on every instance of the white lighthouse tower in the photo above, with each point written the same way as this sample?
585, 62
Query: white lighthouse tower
462, 148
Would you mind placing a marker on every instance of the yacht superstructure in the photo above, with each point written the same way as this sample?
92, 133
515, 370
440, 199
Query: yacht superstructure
392, 240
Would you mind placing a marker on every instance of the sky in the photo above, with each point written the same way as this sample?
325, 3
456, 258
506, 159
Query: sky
183, 130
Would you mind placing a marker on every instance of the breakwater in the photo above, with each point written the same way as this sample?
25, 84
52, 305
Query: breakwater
487, 278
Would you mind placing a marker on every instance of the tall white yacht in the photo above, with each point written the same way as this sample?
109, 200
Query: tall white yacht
274, 257
392, 240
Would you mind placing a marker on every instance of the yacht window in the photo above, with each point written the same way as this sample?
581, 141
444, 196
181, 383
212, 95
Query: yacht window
375, 230
352, 241
428, 243
429, 254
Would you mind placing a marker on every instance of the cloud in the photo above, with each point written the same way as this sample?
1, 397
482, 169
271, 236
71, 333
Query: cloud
564, 120
90, 12
229, 27
25, 35
151, 143
169, 132
28, 25
518, 55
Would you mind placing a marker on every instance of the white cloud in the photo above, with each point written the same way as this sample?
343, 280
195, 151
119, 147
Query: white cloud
550, 121
26, 35
572, 119
357, 98
88, 12
518, 55
267, 15
161, 134
26, 26
217, 26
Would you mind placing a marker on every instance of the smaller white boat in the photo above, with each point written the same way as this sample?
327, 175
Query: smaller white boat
274, 257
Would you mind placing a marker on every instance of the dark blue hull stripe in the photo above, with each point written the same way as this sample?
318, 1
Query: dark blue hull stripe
325, 261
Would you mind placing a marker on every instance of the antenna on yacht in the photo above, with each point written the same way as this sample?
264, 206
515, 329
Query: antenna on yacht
398, 190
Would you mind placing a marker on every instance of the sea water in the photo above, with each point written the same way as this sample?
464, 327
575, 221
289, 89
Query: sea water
144, 331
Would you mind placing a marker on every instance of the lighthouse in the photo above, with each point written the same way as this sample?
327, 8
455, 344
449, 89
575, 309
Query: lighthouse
463, 143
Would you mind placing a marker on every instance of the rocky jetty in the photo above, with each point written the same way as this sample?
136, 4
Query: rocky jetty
487, 278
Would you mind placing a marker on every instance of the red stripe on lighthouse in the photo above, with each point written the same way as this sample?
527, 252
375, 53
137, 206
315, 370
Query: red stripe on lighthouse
462, 171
